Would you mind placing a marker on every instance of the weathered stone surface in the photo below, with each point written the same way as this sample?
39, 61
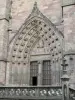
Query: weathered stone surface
18, 73
22, 8
69, 30
67, 2
52, 9
4, 18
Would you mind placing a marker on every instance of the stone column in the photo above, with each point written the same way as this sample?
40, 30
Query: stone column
40, 72
4, 24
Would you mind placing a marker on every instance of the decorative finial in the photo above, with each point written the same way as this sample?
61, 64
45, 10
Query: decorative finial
35, 4
35, 8
35, 11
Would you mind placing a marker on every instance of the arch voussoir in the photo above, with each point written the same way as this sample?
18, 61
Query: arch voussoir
33, 30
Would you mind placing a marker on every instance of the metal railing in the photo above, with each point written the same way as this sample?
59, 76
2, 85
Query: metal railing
29, 92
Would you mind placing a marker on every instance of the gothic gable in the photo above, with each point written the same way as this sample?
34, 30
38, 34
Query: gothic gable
36, 27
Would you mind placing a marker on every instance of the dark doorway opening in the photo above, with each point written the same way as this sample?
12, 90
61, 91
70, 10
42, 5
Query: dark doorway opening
34, 81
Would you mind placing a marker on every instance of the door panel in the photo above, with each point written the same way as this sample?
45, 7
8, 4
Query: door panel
33, 72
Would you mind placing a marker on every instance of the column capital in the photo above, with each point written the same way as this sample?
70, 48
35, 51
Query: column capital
40, 61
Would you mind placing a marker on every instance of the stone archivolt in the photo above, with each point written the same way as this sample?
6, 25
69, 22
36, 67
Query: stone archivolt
36, 28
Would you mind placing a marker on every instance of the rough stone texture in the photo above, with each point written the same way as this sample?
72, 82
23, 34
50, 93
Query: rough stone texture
40, 35
67, 2
4, 18
70, 60
69, 33
2, 8
22, 8
18, 72
69, 24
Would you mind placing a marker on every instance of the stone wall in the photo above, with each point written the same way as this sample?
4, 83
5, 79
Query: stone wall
4, 24
62, 15
53, 10
69, 27
47, 9
57, 11
22, 8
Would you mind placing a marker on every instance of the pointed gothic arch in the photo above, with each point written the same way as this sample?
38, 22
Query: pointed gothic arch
35, 28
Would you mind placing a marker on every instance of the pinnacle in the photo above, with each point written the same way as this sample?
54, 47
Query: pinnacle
35, 8
35, 4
